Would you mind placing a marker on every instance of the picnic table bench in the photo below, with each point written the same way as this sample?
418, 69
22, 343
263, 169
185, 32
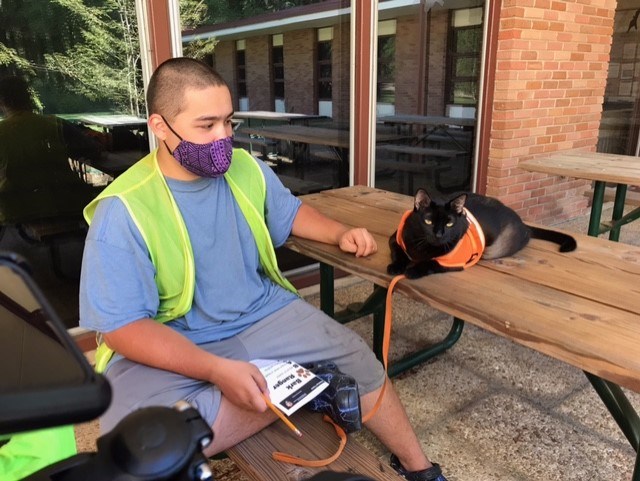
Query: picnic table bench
566, 305
253, 456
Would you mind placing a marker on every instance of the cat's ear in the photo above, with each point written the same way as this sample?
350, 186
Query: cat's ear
457, 203
421, 199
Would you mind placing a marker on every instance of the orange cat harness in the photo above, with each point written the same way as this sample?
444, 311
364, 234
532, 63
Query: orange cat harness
467, 251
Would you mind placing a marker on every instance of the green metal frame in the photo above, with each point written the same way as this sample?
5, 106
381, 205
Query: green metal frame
375, 305
611, 394
623, 412
596, 227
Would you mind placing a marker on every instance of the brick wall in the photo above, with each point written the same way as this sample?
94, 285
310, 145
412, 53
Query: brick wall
299, 69
436, 64
224, 64
407, 65
259, 88
340, 73
551, 73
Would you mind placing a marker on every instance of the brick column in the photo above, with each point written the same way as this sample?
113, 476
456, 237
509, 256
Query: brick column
551, 73
258, 68
299, 71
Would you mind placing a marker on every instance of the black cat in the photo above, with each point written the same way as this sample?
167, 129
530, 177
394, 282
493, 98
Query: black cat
443, 235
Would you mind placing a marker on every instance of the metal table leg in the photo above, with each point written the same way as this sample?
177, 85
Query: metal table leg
618, 210
620, 408
430, 352
611, 394
375, 304
623, 412
596, 208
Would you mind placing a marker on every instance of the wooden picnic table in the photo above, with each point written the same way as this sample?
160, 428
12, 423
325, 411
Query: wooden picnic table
570, 306
303, 134
107, 121
338, 139
428, 120
622, 170
266, 115
429, 125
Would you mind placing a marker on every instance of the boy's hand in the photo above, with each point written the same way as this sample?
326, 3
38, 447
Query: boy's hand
242, 383
358, 241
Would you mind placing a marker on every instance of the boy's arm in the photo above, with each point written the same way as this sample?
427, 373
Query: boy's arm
311, 224
151, 343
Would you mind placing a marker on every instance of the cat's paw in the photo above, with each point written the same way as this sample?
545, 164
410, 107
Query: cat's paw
415, 273
395, 268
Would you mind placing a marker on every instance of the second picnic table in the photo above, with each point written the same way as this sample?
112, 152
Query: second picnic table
622, 170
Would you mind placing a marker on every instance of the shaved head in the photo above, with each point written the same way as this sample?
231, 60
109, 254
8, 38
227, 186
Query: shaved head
165, 93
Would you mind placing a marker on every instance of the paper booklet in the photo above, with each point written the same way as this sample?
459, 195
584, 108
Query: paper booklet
291, 386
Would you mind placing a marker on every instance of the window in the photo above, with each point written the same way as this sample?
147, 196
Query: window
277, 71
323, 63
241, 72
620, 125
464, 56
74, 118
386, 86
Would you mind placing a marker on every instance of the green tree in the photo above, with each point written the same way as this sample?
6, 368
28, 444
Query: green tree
104, 63
77, 53
194, 13
220, 11
198, 13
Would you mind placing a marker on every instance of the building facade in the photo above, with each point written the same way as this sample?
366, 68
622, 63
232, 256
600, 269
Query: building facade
536, 75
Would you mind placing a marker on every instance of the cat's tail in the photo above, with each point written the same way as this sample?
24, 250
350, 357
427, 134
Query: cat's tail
566, 242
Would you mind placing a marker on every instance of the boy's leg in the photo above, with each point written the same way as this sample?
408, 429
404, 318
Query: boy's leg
392, 427
305, 334
234, 425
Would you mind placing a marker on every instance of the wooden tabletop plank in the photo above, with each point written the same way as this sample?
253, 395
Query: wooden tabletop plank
303, 134
269, 115
432, 120
562, 304
621, 169
308, 134
577, 273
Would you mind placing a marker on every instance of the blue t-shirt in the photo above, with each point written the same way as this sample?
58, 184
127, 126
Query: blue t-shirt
117, 284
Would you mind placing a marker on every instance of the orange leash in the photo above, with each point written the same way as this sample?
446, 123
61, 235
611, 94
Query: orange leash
386, 342
315, 463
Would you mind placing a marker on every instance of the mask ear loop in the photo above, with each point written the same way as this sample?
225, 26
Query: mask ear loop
174, 132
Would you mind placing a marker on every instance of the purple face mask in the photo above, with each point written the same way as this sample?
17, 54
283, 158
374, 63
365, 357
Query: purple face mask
205, 160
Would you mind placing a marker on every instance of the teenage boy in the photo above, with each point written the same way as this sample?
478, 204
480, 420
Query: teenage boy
179, 277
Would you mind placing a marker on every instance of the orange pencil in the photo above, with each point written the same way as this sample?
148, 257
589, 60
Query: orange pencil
281, 415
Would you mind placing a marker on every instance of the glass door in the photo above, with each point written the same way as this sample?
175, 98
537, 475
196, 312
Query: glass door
428, 80
72, 117
621, 108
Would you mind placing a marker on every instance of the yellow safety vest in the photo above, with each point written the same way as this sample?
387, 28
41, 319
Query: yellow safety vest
145, 193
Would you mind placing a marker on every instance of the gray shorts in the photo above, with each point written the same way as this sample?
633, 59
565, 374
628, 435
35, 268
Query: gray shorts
298, 332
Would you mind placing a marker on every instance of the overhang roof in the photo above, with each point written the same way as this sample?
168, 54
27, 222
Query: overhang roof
318, 15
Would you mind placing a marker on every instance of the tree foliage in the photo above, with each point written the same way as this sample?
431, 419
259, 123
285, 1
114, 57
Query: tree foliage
198, 13
84, 54
220, 11
79, 54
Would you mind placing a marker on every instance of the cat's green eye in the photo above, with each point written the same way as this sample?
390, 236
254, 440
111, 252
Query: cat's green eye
428, 221
449, 224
